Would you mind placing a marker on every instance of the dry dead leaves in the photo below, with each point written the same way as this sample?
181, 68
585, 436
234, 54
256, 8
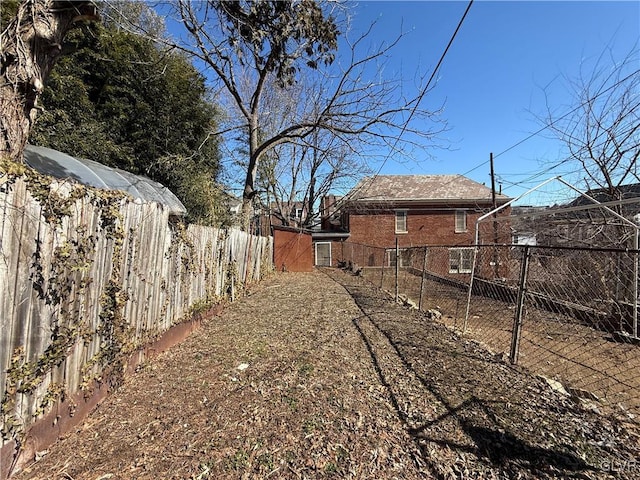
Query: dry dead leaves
322, 376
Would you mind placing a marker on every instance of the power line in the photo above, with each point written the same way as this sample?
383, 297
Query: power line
433, 74
518, 143
542, 129
568, 159
423, 92
550, 124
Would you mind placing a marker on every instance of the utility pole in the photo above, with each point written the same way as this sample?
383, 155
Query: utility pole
493, 182
496, 257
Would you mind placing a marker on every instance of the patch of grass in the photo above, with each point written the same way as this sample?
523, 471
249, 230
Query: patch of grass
257, 348
305, 370
290, 456
291, 401
340, 461
342, 454
239, 460
309, 426
330, 467
312, 424
265, 461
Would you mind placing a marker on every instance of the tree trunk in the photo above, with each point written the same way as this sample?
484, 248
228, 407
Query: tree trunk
310, 201
252, 171
29, 47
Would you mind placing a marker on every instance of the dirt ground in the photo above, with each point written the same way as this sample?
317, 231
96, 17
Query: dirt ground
553, 345
322, 376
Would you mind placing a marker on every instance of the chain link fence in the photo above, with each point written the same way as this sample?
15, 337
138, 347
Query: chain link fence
568, 314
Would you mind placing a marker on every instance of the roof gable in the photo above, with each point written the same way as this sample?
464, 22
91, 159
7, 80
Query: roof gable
422, 188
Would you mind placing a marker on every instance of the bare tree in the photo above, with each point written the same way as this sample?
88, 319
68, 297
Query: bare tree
251, 46
295, 175
248, 43
29, 47
602, 131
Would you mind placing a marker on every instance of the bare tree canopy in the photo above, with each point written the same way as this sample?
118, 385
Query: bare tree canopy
293, 176
602, 130
246, 44
251, 48
29, 47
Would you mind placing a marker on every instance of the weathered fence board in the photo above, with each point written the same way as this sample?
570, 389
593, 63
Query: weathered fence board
88, 277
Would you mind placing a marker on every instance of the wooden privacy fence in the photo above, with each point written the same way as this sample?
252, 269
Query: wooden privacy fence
87, 277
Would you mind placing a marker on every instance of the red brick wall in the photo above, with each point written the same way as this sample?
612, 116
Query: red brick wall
292, 251
423, 228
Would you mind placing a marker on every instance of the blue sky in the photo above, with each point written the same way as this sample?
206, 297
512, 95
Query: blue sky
493, 75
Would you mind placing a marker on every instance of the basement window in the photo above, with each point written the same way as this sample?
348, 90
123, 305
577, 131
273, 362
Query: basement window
460, 260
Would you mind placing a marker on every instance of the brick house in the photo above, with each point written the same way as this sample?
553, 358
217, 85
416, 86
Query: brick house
418, 210
287, 214
586, 224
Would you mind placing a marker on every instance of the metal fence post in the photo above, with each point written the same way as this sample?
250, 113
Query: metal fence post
384, 255
397, 263
424, 267
635, 285
470, 292
517, 321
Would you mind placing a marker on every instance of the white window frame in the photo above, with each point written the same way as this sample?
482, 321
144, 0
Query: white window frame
460, 221
296, 213
316, 251
460, 263
402, 214
392, 251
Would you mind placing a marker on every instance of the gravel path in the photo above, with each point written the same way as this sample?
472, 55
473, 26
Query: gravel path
321, 376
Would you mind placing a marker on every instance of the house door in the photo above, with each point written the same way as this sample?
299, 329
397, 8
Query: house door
323, 254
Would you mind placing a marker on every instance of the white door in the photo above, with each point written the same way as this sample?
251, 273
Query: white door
323, 254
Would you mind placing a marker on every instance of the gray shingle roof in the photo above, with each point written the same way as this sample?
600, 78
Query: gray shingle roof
422, 188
